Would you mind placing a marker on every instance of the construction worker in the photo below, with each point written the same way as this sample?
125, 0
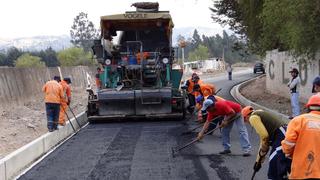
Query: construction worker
66, 100
191, 94
53, 97
316, 85
199, 101
204, 89
271, 131
98, 81
232, 113
302, 143
294, 85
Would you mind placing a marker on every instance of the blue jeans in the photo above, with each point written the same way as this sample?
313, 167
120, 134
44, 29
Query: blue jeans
243, 135
53, 110
295, 104
230, 75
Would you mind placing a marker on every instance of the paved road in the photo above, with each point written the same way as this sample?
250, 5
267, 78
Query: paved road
142, 150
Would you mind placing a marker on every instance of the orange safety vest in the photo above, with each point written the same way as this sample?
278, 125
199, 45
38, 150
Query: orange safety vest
302, 143
191, 85
206, 89
66, 91
53, 92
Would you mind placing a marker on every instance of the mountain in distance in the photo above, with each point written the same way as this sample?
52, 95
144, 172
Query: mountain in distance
38, 43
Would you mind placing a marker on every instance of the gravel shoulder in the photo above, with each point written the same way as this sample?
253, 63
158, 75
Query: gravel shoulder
21, 124
256, 92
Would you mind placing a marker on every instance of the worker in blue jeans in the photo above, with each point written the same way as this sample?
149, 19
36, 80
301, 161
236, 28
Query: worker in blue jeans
294, 85
53, 95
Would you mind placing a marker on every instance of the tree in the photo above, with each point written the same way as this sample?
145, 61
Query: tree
267, 25
27, 60
2, 59
83, 32
196, 40
49, 56
200, 53
75, 56
12, 55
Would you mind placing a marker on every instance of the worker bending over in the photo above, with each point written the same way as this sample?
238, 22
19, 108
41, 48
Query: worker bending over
271, 131
232, 113
302, 142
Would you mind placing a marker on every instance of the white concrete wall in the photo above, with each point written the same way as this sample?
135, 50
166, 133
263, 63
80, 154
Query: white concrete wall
20, 84
278, 65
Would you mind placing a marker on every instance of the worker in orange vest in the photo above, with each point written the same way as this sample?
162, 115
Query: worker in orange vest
195, 79
204, 89
66, 100
302, 143
53, 97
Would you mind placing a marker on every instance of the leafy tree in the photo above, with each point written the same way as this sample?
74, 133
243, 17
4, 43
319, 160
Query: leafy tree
284, 25
200, 53
75, 56
12, 55
2, 59
196, 39
27, 60
49, 56
83, 32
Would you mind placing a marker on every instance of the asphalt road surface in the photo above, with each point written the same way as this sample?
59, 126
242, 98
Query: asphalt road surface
142, 150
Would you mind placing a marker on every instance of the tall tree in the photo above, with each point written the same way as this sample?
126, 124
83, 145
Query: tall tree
49, 56
196, 39
2, 59
12, 55
83, 32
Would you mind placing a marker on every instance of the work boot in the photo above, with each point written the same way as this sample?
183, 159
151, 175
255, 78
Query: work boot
246, 153
227, 151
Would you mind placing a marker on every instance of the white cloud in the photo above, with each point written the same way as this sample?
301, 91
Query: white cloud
21, 18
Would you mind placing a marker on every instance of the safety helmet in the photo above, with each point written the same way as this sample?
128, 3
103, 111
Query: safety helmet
315, 82
199, 99
246, 111
314, 101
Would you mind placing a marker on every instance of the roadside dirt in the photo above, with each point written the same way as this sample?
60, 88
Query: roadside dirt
23, 123
256, 92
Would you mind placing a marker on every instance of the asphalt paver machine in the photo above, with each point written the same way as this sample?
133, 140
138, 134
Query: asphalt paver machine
137, 75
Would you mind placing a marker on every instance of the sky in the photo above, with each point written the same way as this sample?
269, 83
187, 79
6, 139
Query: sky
26, 18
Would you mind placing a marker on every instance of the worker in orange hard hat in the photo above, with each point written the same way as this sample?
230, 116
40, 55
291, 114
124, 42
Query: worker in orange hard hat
189, 84
271, 131
302, 142
53, 97
66, 100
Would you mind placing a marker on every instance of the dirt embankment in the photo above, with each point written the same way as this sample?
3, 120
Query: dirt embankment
22, 109
22, 124
256, 92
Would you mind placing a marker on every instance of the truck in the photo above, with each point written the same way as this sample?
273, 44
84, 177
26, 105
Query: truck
137, 78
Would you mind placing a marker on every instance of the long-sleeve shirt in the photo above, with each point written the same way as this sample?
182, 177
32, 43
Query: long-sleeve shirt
294, 84
302, 144
261, 130
53, 92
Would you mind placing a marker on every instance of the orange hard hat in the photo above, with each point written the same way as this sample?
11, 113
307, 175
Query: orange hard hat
313, 101
246, 111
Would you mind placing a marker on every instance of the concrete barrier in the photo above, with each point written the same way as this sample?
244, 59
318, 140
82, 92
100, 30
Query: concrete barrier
14, 163
235, 92
2, 170
19, 84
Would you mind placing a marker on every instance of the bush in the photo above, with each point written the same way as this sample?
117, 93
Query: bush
27, 60
75, 56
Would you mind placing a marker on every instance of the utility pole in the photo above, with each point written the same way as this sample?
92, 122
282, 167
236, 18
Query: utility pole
182, 45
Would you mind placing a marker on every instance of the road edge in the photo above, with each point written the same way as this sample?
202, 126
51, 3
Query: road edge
18, 161
235, 93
